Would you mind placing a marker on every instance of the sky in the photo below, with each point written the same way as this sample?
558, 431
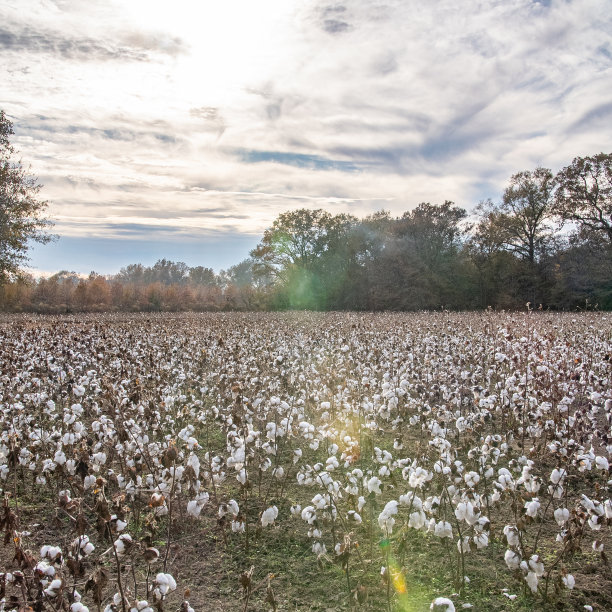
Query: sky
182, 129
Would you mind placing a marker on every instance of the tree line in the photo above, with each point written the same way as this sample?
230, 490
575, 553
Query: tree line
548, 241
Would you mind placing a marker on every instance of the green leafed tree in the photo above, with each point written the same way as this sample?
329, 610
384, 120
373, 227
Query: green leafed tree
299, 252
521, 223
21, 211
584, 193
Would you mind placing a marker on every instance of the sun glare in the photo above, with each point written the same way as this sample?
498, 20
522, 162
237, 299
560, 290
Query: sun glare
228, 47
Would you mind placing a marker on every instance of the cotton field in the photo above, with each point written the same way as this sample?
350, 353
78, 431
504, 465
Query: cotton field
399, 461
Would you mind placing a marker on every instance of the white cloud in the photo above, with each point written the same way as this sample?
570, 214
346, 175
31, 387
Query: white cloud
194, 116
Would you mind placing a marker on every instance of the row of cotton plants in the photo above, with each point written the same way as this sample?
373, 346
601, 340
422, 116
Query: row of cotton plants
485, 435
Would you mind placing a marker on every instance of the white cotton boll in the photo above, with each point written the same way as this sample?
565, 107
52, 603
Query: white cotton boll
84, 545
89, 481
594, 523
512, 535
532, 507
384, 471
532, 580
123, 543
419, 477
569, 581
238, 526
331, 463
465, 512
353, 517
78, 390
361, 502
417, 520
463, 544
193, 508
50, 552
296, 509
121, 525
443, 529
386, 523
320, 501
391, 508
45, 569
557, 476
166, 580
309, 514
442, 604
194, 462
233, 507
512, 559
373, 485
53, 589
268, 516
410, 499
536, 565
481, 540
602, 463
561, 516
471, 479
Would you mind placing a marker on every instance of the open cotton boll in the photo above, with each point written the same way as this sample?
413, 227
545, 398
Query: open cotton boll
532, 507
557, 476
53, 553
471, 479
84, 545
373, 485
561, 516
165, 583
443, 529
536, 565
569, 581
442, 604
309, 514
268, 516
193, 508
123, 543
353, 517
512, 559
512, 535
53, 589
532, 581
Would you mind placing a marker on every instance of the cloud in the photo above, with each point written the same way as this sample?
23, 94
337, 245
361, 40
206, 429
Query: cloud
195, 116
596, 117
135, 48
